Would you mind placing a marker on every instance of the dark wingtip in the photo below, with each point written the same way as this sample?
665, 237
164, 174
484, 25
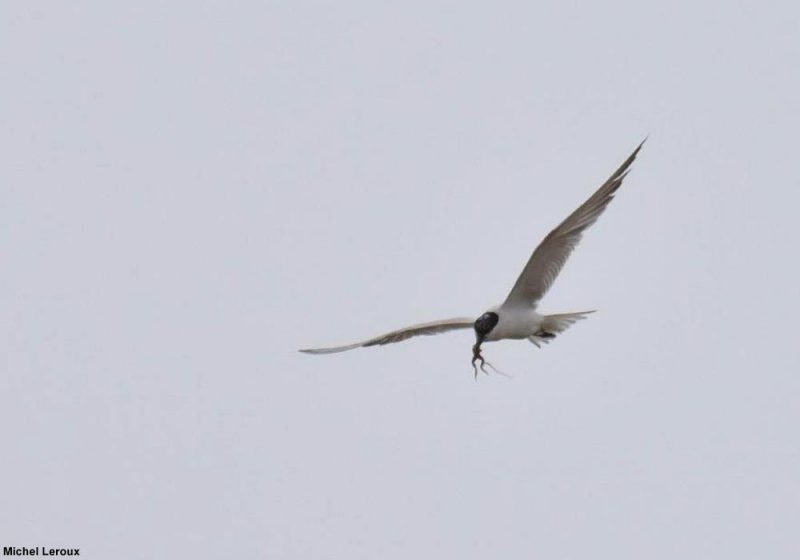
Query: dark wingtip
639, 147
620, 173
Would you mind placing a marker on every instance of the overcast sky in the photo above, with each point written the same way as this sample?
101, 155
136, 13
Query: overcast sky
190, 191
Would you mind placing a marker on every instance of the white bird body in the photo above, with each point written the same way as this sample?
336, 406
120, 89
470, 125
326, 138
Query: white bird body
517, 317
515, 323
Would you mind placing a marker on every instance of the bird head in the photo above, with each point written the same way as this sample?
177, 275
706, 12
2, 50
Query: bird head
484, 325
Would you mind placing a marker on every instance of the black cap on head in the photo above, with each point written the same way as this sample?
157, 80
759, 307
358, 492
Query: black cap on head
485, 323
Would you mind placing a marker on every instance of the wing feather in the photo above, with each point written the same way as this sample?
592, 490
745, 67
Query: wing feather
552, 253
433, 327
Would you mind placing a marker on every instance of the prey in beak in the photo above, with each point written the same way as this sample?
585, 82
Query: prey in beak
483, 326
476, 356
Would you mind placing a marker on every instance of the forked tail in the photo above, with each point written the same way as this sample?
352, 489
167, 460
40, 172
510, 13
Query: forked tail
556, 324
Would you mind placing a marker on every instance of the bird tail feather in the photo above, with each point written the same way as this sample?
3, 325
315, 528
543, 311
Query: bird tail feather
555, 324
559, 323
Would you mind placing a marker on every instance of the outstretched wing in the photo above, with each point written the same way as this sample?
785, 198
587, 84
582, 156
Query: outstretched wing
551, 254
434, 327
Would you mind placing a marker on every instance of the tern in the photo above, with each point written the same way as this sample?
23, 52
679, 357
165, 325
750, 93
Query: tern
517, 317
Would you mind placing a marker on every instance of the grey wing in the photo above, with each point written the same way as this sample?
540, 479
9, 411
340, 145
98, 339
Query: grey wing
434, 327
551, 254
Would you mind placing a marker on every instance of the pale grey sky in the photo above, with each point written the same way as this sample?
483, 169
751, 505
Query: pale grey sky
191, 191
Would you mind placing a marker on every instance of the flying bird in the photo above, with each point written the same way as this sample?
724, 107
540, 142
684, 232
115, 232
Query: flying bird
517, 317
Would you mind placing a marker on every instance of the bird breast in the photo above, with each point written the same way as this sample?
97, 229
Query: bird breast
515, 323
